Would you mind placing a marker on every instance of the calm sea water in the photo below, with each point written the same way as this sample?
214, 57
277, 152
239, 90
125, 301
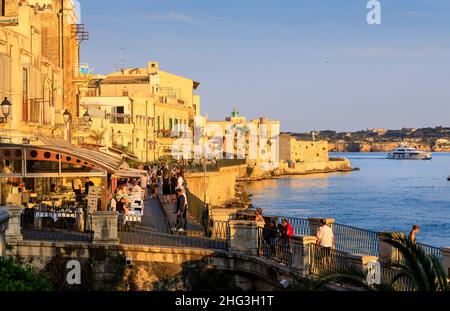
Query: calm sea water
385, 195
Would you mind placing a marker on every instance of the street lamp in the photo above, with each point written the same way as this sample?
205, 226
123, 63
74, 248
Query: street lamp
86, 117
66, 116
6, 110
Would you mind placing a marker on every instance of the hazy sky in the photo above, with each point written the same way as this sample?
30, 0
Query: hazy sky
313, 64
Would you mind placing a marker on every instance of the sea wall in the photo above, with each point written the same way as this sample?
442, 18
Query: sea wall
220, 185
333, 165
293, 150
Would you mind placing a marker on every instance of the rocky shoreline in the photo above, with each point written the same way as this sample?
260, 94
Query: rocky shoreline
380, 147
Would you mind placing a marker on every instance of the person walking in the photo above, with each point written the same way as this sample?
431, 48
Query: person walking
182, 208
412, 234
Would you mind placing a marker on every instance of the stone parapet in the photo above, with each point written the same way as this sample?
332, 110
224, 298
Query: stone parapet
446, 260
104, 225
4, 218
386, 252
300, 252
359, 260
14, 232
244, 237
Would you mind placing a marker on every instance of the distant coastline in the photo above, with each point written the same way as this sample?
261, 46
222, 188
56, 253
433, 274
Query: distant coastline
382, 140
380, 147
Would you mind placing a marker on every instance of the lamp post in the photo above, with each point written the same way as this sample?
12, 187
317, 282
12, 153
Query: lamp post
67, 117
86, 117
6, 110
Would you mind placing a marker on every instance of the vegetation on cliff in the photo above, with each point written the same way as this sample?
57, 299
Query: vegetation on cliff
18, 277
382, 140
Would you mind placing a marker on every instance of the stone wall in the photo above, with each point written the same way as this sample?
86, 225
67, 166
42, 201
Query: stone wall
220, 186
296, 151
334, 165
132, 267
4, 218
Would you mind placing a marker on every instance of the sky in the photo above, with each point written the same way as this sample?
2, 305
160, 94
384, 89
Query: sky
312, 64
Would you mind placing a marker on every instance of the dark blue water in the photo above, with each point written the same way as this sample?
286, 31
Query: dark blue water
385, 195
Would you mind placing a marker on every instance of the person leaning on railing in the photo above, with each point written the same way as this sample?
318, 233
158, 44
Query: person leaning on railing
325, 239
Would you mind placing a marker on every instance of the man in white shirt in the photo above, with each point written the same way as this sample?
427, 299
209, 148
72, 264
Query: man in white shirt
325, 236
325, 239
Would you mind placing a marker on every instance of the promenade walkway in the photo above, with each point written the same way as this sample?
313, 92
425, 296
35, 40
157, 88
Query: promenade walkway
169, 210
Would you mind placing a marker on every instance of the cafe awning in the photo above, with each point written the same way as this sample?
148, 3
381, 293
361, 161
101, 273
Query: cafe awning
57, 160
129, 173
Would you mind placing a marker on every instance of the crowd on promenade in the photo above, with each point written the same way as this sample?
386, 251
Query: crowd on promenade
170, 181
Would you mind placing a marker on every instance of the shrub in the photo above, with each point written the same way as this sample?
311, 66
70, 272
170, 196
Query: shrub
16, 277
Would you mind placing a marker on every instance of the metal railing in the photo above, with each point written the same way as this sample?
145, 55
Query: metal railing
402, 284
146, 236
300, 226
273, 246
355, 240
323, 261
45, 224
432, 250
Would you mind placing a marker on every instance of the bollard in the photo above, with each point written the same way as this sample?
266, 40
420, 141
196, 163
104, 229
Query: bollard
244, 237
386, 253
4, 218
301, 255
104, 225
14, 231
446, 260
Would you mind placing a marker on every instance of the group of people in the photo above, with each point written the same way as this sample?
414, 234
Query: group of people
121, 199
173, 185
79, 188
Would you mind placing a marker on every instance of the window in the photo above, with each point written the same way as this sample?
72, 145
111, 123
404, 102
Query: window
170, 123
158, 123
25, 94
125, 93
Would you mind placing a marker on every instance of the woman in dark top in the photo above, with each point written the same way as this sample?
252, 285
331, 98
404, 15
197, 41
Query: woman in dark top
166, 188
173, 186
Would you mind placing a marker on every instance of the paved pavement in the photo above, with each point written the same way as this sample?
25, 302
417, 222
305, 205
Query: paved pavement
169, 208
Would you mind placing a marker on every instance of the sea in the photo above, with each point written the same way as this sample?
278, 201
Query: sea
384, 195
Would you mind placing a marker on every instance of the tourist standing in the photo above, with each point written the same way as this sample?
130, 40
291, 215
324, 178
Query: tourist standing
166, 188
181, 210
412, 234
173, 186
325, 239
88, 183
259, 216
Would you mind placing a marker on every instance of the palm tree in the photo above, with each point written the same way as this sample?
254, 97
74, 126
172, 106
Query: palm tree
423, 270
417, 270
98, 136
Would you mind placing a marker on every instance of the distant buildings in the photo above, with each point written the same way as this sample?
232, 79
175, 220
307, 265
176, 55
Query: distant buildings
294, 151
140, 110
256, 140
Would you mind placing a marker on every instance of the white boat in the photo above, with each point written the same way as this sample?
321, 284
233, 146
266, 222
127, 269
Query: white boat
408, 153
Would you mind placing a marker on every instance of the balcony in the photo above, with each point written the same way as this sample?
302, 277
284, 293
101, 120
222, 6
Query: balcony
119, 118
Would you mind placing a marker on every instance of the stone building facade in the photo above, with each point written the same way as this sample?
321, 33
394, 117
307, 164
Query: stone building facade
162, 106
295, 151
38, 58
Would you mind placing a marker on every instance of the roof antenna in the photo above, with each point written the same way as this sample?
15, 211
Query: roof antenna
121, 65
